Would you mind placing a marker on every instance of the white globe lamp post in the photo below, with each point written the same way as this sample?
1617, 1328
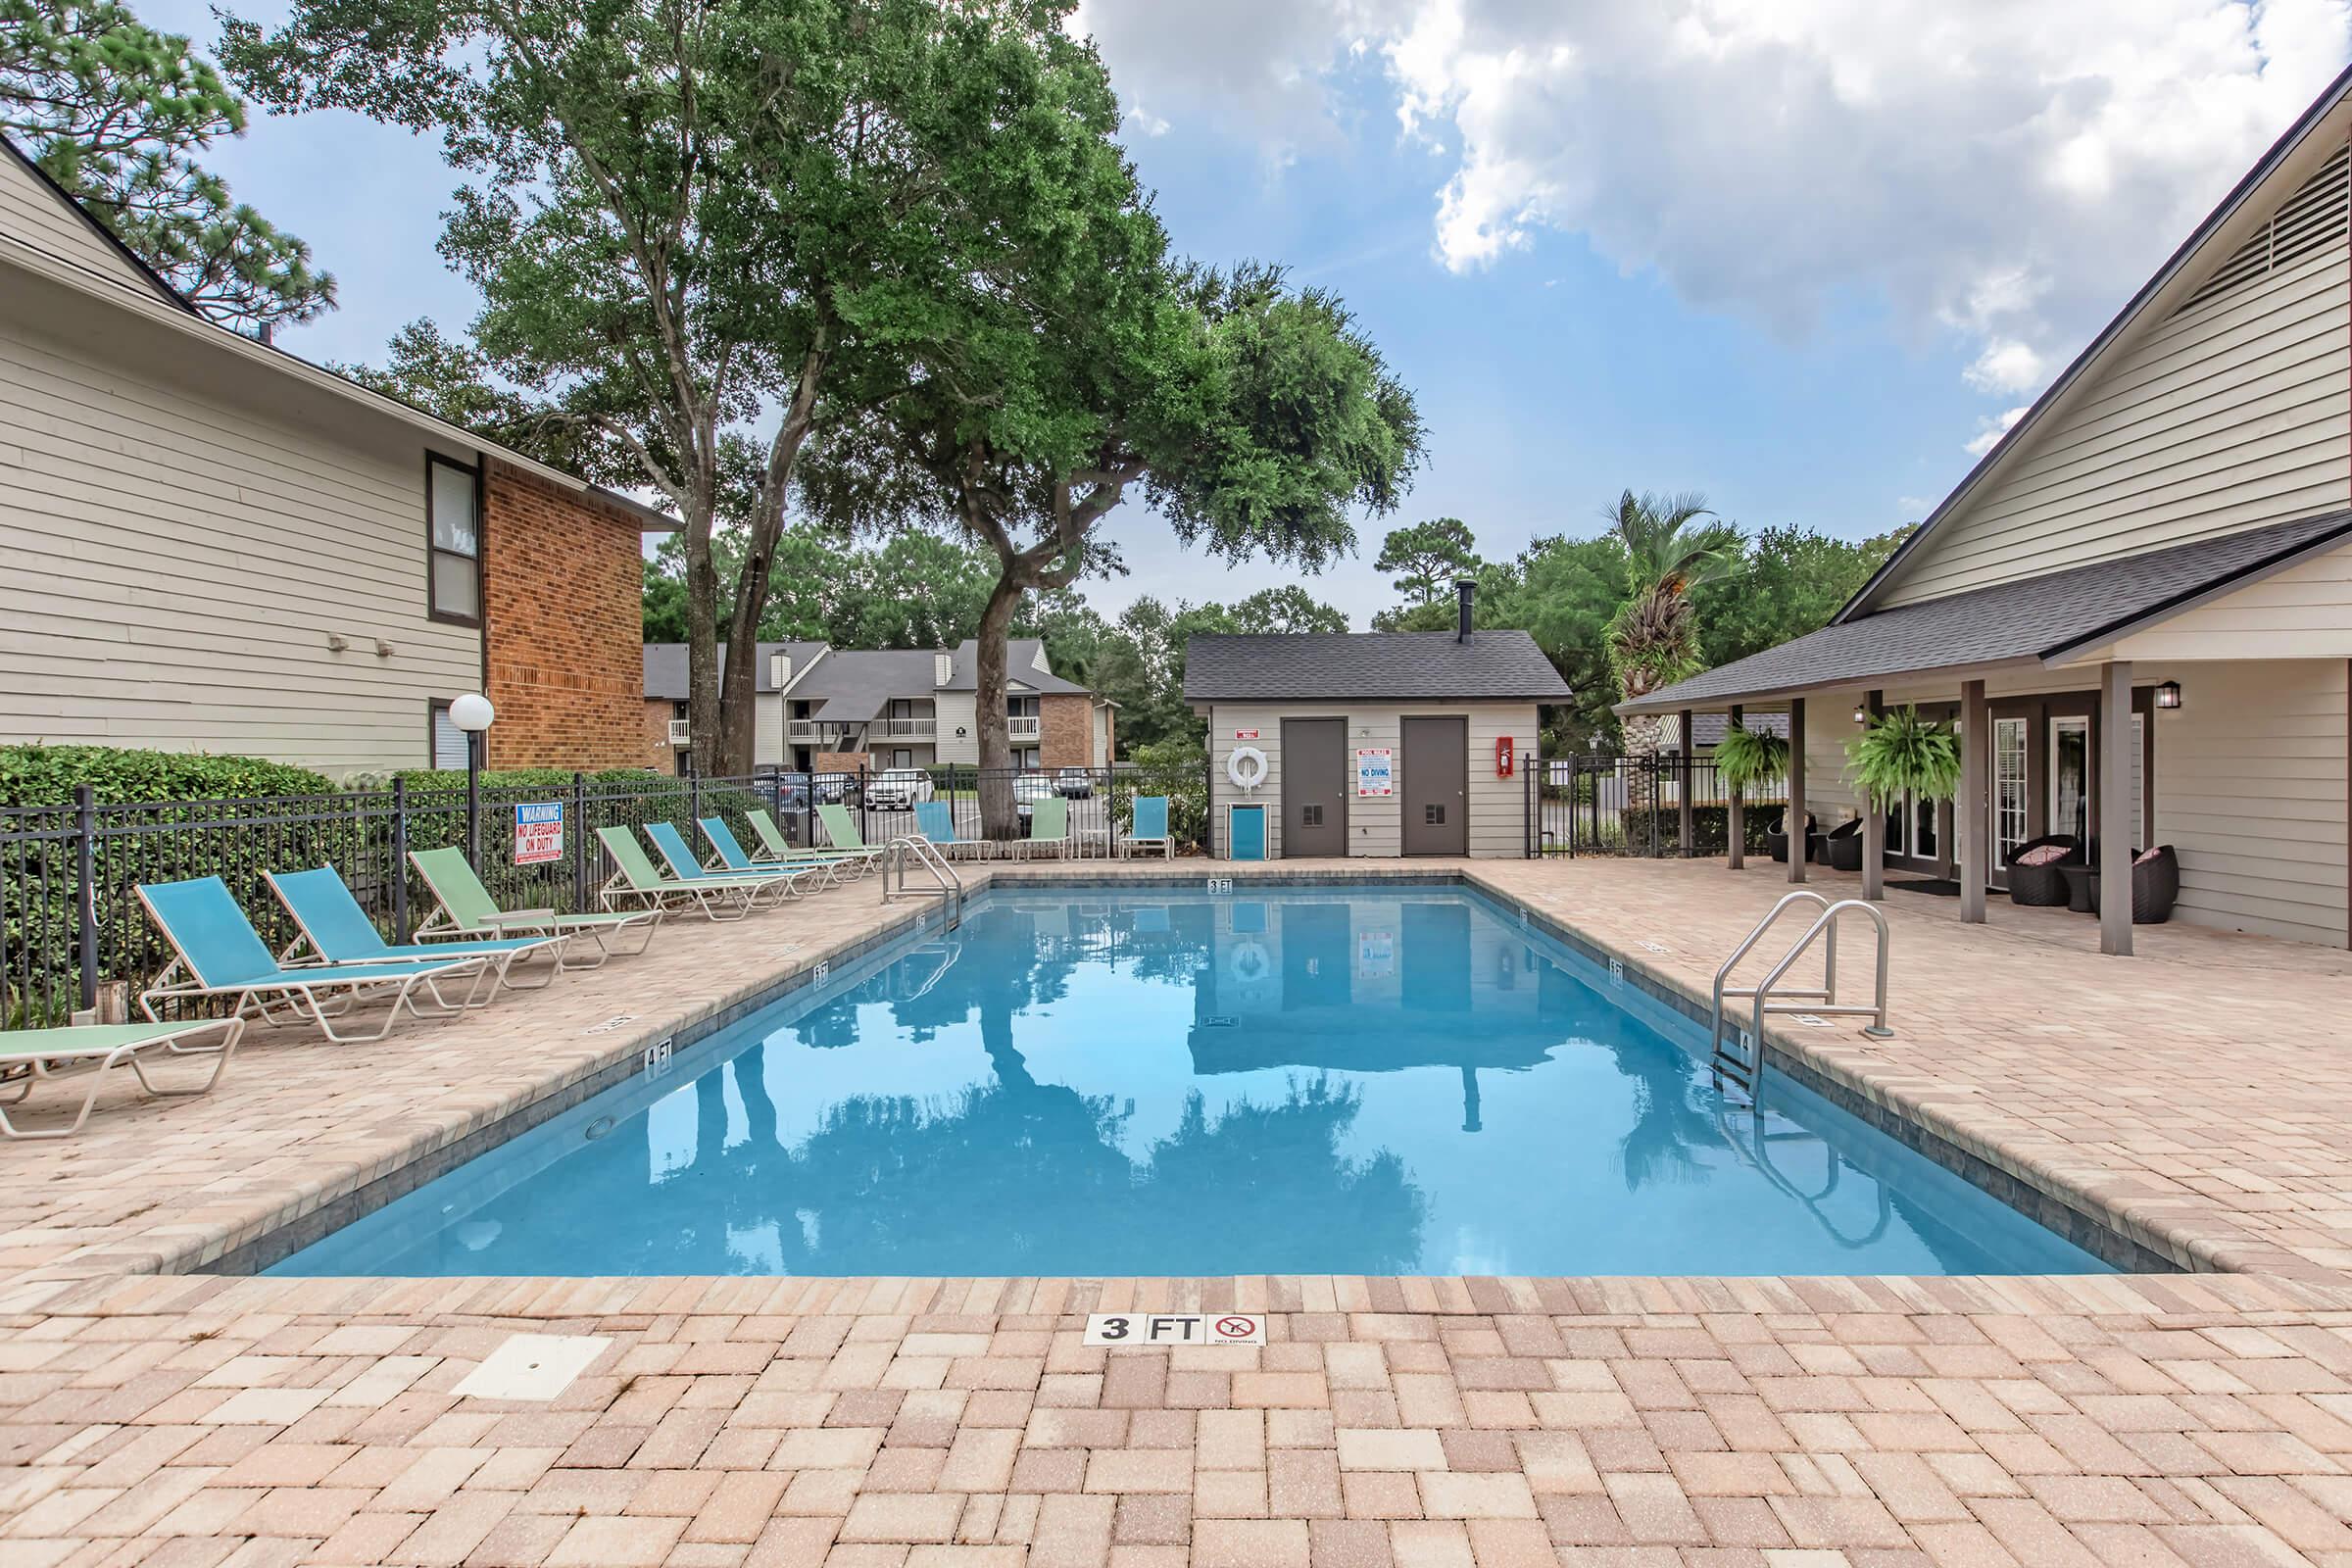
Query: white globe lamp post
472, 713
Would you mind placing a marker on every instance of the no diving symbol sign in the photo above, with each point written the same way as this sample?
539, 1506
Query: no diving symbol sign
1136, 1330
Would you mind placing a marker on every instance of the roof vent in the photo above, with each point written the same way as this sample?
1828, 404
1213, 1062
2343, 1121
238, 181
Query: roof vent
2308, 221
942, 669
1464, 591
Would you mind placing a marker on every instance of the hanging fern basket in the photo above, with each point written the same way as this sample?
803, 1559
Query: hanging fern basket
1902, 753
1745, 757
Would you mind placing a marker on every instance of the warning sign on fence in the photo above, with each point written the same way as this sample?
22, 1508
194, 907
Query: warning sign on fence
538, 832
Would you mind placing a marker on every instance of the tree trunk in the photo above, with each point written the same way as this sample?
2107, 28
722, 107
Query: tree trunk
999, 817
1642, 738
703, 714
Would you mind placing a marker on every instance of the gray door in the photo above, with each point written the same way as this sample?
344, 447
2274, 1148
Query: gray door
1436, 787
1314, 787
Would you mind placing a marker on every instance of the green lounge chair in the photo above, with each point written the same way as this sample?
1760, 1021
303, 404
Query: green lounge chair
1150, 826
1048, 827
841, 830
29, 1057
466, 911
637, 882
336, 930
216, 953
785, 881
936, 821
733, 858
848, 862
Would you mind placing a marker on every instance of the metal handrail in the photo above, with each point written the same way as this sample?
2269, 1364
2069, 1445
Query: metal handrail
1763, 991
927, 855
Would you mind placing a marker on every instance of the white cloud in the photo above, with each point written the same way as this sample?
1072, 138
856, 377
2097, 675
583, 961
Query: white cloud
2000, 171
1991, 429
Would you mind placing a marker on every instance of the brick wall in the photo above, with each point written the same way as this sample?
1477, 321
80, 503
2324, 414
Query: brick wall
840, 762
660, 755
1065, 730
562, 585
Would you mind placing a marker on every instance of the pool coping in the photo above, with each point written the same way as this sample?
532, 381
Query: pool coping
2041, 1195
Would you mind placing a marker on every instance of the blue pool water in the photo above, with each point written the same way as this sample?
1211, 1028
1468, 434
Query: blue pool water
1304, 1080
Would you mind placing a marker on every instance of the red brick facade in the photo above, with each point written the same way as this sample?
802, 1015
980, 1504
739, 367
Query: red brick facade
840, 762
561, 587
1065, 730
660, 755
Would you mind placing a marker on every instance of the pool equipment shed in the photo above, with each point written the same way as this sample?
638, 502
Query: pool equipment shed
1369, 744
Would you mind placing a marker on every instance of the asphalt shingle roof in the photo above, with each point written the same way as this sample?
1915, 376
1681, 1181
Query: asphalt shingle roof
1370, 667
2028, 620
666, 666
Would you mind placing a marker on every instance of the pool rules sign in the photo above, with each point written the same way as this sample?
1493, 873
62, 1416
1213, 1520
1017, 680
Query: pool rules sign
1157, 1331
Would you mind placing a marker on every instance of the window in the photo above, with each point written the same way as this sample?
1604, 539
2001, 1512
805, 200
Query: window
448, 741
453, 495
2008, 788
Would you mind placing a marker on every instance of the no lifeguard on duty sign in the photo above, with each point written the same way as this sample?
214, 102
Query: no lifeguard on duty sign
1158, 1330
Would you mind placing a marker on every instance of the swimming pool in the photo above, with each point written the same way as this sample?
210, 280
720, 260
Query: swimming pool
1091, 1081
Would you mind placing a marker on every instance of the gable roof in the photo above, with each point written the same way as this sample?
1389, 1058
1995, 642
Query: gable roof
1370, 667
2249, 194
160, 302
1024, 664
2049, 618
88, 245
666, 666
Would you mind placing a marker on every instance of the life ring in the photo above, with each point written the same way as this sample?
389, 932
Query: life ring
1246, 767
1250, 962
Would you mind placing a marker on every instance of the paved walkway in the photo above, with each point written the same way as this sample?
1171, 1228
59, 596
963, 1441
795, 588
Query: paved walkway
2194, 1094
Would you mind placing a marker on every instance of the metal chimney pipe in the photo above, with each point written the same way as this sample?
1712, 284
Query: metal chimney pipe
1464, 589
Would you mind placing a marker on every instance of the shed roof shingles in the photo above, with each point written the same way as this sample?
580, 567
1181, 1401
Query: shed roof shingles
2006, 622
1370, 667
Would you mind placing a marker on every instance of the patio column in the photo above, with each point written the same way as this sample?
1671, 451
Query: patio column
1873, 825
1689, 754
1735, 811
1971, 818
2115, 807
1794, 822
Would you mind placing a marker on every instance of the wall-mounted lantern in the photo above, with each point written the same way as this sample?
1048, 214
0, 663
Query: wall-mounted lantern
2168, 695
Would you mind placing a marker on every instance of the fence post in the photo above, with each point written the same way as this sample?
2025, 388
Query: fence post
866, 818
85, 892
694, 789
579, 840
400, 859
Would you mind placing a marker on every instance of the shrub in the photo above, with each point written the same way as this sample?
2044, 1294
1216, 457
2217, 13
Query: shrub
45, 775
511, 778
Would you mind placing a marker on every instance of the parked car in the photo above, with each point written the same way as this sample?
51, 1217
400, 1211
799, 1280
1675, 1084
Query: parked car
789, 792
899, 789
1029, 787
1076, 783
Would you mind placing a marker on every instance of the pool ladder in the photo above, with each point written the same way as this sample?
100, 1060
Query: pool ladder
1748, 1070
914, 847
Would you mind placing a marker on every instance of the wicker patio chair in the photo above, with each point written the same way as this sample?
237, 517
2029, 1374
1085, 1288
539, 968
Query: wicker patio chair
2042, 886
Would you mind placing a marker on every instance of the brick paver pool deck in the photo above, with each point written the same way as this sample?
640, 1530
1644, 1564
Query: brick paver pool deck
2197, 1098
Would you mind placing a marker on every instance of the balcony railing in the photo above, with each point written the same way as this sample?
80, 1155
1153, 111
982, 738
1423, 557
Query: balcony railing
1024, 726
681, 732
900, 729
813, 729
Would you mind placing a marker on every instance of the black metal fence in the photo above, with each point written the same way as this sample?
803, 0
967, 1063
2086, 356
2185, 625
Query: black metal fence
70, 920
1604, 805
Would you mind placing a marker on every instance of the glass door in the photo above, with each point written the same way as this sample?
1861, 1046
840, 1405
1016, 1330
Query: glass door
2070, 777
2009, 798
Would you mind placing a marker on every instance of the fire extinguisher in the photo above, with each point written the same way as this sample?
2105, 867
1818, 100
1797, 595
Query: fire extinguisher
1502, 756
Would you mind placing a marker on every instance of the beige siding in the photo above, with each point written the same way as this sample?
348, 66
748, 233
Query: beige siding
2227, 417
957, 710
1829, 725
179, 557
1497, 806
2250, 789
767, 729
2302, 613
40, 229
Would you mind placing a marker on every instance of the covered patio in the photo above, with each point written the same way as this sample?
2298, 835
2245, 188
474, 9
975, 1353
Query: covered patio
2193, 697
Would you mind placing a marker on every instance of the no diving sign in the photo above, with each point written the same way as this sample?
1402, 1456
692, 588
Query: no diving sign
1158, 1329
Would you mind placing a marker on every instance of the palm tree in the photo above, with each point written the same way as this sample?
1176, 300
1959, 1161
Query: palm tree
1669, 549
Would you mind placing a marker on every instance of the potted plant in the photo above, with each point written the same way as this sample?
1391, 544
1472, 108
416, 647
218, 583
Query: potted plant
1745, 757
1902, 754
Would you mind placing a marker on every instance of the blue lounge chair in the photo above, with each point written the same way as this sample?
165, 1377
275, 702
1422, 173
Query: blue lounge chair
216, 953
733, 858
1151, 825
749, 887
29, 1057
936, 821
336, 930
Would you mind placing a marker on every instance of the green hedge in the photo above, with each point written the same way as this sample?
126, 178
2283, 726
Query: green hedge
1710, 828
45, 775
516, 778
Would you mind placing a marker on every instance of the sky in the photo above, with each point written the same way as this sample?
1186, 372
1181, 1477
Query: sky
1807, 256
